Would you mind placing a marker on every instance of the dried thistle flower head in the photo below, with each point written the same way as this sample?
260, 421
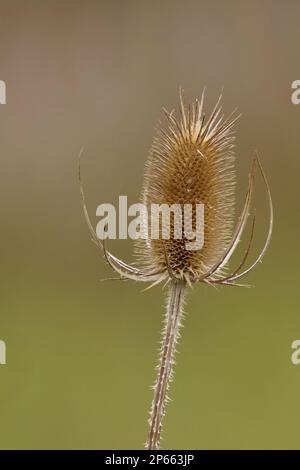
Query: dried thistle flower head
190, 162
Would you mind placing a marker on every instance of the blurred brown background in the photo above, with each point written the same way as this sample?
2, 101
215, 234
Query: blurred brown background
80, 353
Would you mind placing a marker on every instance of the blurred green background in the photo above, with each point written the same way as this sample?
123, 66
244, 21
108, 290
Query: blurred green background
81, 353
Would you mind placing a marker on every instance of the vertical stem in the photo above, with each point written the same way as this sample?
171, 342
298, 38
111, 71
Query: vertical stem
170, 336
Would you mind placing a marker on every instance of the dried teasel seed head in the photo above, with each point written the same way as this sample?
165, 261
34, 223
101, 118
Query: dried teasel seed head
191, 162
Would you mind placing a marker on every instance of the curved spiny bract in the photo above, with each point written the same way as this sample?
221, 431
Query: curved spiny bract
191, 162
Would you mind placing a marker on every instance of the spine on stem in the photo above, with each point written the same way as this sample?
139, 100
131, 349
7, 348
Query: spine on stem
173, 320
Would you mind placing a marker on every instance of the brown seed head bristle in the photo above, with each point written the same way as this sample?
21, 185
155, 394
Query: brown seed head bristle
191, 162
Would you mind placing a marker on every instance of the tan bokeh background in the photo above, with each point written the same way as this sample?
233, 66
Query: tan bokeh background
81, 353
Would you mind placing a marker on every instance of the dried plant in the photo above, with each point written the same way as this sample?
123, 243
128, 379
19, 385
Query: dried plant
191, 162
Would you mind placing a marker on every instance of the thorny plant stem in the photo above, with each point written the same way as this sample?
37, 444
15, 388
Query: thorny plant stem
170, 337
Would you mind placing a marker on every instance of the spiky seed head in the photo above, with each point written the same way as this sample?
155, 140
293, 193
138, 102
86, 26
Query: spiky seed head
191, 162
